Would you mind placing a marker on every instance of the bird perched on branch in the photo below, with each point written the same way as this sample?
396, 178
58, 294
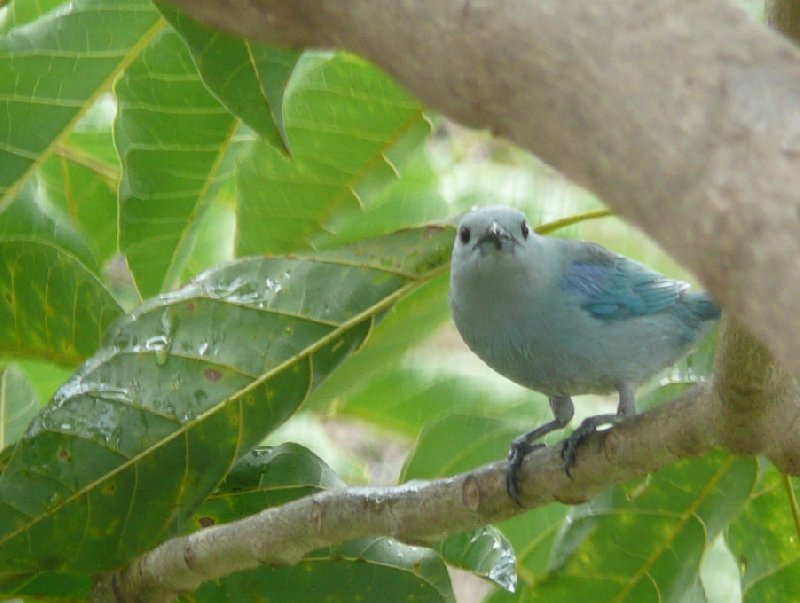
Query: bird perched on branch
565, 318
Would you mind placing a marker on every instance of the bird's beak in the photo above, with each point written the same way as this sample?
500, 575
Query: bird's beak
495, 234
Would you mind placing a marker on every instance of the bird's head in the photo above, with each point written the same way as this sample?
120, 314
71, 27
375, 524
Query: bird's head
490, 238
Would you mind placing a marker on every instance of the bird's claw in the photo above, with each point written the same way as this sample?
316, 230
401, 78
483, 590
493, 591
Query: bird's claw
520, 448
570, 445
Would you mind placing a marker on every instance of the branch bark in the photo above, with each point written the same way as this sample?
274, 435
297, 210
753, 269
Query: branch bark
425, 512
743, 410
683, 116
418, 512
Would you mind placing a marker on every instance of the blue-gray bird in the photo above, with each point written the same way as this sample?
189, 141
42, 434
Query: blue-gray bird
564, 318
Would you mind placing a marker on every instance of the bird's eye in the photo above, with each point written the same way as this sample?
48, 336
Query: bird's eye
464, 234
525, 230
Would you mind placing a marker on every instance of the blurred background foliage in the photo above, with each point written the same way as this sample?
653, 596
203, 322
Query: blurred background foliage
140, 150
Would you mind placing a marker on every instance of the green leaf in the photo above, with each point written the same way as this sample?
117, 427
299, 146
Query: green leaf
267, 476
764, 538
407, 398
90, 199
51, 306
30, 216
456, 443
348, 127
52, 66
414, 198
404, 325
247, 78
48, 586
18, 405
363, 570
372, 570
45, 376
182, 388
214, 235
485, 552
644, 541
534, 536
21, 13
79, 181
177, 147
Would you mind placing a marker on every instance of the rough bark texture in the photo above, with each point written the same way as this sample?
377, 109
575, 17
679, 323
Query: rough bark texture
683, 116
419, 512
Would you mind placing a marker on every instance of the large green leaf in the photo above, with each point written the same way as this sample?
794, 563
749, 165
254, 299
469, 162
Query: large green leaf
405, 201
177, 146
534, 536
51, 306
246, 77
53, 63
348, 127
764, 540
182, 388
644, 541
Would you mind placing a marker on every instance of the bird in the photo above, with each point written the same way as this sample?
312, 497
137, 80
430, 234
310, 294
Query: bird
565, 318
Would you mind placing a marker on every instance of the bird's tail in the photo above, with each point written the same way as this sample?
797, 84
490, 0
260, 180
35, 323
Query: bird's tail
702, 305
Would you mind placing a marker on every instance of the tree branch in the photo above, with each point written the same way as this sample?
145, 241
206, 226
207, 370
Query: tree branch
744, 410
417, 512
683, 116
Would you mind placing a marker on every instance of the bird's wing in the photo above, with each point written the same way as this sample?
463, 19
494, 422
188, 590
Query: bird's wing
610, 286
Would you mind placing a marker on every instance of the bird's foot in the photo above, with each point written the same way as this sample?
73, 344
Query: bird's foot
571, 445
520, 448
586, 428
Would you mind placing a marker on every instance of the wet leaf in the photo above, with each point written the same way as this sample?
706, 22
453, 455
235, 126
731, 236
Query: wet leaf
486, 553
182, 388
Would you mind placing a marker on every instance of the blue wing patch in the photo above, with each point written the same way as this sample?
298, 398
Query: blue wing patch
613, 287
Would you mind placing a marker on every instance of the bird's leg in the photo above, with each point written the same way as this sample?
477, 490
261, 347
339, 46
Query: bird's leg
562, 412
625, 408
